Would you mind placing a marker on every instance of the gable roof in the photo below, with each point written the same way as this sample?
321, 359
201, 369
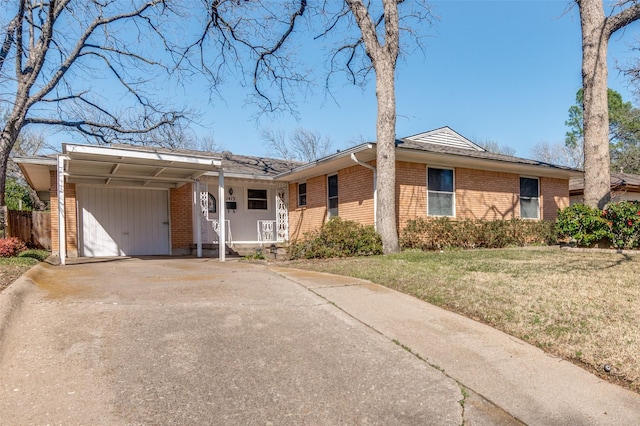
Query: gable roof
440, 147
444, 136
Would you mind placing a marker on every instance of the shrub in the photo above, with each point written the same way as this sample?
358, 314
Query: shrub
623, 219
9, 247
337, 238
583, 223
444, 233
40, 255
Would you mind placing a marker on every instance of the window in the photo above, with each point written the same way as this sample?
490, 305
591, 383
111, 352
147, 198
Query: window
441, 196
302, 194
332, 192
529, 198
212, 203
257, 199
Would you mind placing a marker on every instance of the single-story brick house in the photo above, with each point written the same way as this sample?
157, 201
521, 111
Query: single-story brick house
624, 186
124, 200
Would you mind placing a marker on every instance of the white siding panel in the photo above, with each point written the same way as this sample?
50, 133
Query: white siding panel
123, 222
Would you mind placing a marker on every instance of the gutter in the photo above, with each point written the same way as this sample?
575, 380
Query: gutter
375, 187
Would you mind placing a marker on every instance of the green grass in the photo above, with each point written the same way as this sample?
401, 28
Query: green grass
582, 306
18, 261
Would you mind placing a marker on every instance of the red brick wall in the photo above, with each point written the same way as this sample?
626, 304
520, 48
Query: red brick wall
71, 219
355, 194
554, 195
181, 216
411, 192
312, 216
482, 194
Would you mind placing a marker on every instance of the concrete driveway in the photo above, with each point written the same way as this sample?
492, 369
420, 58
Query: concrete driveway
194, 341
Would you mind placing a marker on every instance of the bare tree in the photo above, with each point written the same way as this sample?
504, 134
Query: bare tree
51, 49
302, 145
375, 46
383, 49
597, 29
495, 147
559, 154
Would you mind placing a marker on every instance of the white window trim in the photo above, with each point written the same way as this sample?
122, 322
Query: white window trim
306, 191
520, 197
247, 189
453, 172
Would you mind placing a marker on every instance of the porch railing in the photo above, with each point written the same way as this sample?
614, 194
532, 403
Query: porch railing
267, 231
215, 223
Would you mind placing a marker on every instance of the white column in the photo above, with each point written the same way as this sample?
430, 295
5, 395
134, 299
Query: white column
62, 238
222, 240
197, 208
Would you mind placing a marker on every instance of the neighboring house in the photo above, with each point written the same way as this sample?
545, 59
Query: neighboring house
126, 200
624, 186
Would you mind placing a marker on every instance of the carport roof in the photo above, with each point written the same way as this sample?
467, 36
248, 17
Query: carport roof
120, 166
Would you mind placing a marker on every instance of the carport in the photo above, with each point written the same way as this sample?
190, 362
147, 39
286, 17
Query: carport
123, 195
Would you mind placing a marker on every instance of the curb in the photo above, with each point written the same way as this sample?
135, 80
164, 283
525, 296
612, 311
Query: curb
11, 300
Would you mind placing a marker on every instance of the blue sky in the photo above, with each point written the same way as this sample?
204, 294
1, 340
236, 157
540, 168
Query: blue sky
503, 71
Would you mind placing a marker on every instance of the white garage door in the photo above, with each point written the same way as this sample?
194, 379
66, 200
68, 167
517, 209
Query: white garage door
123, 222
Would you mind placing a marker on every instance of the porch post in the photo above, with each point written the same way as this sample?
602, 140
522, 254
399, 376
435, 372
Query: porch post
62, 237
198, 211
222, 240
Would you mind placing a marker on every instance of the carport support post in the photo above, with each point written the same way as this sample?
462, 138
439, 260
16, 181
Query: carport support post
222, 239
62, 238
198, 209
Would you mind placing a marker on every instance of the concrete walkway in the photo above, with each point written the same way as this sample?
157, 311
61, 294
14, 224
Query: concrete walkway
531, 386
194, 341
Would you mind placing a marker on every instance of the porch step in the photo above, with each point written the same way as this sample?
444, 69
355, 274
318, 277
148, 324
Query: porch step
242, 249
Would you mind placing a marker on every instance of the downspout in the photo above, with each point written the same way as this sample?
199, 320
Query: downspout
375, 187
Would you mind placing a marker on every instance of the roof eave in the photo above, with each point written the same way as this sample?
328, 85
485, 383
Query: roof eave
459, 160
316, 168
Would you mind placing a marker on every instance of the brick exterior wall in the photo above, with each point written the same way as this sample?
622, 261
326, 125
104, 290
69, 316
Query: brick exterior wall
181, 216
71, 216
304, 219
479, 194
411, 192
355, 194
554, 195
482, 194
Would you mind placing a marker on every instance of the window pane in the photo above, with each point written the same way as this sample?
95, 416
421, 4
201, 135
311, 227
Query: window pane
302, 194
333, 185
257, 204
257, 199
257, 193
529, 208
333, 207
440, 180
528, 187
212, 204
440, 204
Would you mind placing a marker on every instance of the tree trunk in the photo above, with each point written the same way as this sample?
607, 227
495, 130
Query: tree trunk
595, 38
8, 139
386, 156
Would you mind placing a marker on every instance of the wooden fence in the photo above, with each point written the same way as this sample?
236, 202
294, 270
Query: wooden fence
34, 228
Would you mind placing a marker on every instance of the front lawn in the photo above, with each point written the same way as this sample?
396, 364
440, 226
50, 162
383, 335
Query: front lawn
12, 268
582, 306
